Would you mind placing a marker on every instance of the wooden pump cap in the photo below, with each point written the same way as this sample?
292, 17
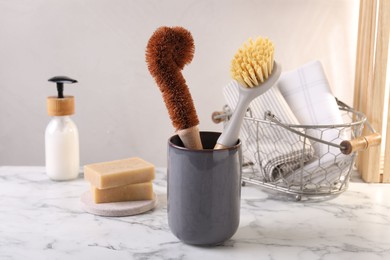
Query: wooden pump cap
60, 106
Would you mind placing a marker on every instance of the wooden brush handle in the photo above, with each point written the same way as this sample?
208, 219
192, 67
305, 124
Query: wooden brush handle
361, 143
190, 138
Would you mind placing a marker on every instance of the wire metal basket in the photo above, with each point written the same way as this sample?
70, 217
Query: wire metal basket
323, 175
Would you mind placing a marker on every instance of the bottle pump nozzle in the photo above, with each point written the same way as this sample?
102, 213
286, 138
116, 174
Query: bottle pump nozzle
60, 80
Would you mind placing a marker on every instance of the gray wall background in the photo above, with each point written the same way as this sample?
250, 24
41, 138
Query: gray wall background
119, 109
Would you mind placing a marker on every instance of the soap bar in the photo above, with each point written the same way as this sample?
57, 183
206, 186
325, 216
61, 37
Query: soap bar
131, 192
119, 173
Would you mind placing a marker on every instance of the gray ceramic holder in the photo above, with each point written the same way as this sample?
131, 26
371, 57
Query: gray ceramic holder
204, 191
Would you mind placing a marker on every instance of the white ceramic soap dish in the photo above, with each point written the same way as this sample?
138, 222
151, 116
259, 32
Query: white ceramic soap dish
117, 209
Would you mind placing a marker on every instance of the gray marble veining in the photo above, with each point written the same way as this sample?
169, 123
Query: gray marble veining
42, 219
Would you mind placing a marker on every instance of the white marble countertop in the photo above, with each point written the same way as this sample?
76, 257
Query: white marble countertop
42, 219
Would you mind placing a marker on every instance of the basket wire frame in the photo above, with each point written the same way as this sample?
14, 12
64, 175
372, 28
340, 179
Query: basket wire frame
327, 177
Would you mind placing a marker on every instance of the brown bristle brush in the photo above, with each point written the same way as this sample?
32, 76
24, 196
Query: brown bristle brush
168, 51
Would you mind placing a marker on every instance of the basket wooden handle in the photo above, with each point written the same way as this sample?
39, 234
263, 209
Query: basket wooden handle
361, 143
215, 118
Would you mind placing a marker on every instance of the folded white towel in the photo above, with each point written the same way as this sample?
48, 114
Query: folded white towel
309, 96
275, 150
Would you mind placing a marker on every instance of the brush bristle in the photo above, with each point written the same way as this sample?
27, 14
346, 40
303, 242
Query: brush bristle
168, 51
253, 62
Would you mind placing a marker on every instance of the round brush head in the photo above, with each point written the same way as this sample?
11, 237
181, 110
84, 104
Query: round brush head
253, 62
167, 52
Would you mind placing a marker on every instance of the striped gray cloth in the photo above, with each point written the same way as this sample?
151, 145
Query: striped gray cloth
275, 151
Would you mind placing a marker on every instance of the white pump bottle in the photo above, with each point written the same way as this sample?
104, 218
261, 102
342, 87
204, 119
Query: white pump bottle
61, 135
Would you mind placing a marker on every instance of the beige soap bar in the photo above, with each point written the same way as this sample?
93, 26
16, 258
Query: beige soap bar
131, 192
119, 173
